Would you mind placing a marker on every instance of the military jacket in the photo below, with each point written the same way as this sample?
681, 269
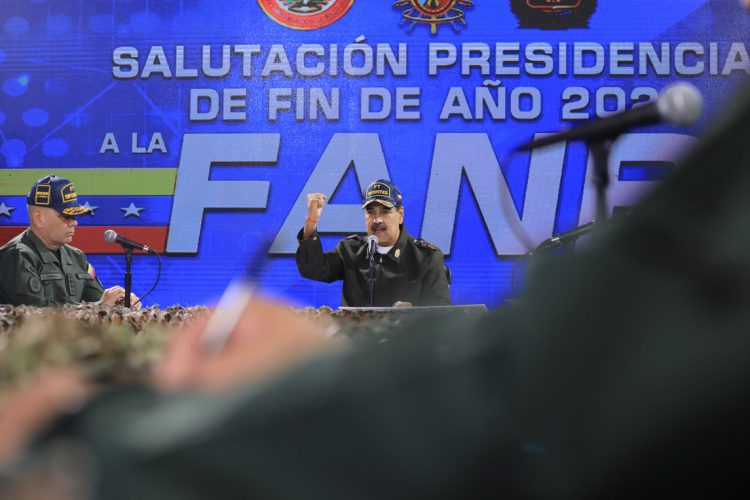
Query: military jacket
32, 274
412, 271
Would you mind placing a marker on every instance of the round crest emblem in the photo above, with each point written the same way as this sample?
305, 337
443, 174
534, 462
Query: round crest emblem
433, 7
433, 12
305, 14
553, 14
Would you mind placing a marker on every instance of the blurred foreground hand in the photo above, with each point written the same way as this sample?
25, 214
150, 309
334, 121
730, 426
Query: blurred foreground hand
267, 340
29, 408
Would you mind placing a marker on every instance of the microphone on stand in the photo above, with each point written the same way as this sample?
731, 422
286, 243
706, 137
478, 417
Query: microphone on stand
564, 238
372, 245
679, 104
112, 237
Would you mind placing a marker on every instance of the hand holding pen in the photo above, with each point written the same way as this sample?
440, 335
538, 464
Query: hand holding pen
247, 338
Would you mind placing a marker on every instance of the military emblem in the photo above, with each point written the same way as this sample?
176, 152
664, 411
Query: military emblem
433, 13
553, 14
425, 244
305, 14
34, 284
69, 193
379, 190
42, 194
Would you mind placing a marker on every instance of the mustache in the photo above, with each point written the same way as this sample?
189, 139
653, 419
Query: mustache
375, 227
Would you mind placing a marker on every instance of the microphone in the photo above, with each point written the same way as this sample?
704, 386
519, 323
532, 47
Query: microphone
372, 244
565, 237
112, 237
679, 104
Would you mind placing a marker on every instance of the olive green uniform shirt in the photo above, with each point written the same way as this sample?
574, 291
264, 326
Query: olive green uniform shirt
32, 274
412, 271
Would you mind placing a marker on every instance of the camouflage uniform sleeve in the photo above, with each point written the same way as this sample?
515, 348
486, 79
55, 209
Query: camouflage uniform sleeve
20, 283
92, 289
316, 265
435, 289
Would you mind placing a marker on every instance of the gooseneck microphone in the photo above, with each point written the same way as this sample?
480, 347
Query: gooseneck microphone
112, 237
564, 238
679, 104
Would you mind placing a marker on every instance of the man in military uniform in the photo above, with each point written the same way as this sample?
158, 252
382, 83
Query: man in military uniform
407, 270
39, 267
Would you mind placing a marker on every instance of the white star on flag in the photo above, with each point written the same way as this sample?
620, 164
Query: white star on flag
91, 209
132, 210
5, 209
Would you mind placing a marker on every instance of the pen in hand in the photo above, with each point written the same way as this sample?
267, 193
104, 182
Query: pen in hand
233, 301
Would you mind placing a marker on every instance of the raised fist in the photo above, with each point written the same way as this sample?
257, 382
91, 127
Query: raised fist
315, 203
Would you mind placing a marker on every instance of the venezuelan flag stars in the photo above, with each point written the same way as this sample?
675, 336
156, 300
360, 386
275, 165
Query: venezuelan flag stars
91, 208
6, 209
132, 210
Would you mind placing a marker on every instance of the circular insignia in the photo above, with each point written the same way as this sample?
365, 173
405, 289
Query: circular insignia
35, 285
559, 15
305, 14
433, 7
434, 12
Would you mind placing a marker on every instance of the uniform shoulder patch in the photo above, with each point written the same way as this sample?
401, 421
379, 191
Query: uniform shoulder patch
424, 244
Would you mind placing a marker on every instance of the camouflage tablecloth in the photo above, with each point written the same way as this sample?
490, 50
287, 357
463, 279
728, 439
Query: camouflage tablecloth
114, 344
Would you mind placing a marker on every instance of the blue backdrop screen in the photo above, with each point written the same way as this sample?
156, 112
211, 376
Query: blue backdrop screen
198, 127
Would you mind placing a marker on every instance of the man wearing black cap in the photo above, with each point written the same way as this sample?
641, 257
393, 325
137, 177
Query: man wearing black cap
408, 271
39, 267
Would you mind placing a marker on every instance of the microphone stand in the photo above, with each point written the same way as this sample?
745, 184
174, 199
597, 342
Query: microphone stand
128, 275
600, 150
371, 273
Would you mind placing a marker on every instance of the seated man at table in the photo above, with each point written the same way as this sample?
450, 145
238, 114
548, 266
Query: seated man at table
408, 271
39, 267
